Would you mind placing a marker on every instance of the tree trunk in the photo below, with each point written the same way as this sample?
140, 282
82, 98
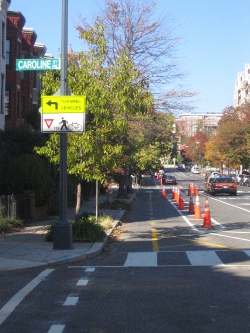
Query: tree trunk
122, 191
78, 198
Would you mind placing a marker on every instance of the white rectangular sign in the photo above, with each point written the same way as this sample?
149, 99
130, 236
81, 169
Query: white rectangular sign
63, 123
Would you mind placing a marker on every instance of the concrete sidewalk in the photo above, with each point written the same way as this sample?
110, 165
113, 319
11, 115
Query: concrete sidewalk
28, 247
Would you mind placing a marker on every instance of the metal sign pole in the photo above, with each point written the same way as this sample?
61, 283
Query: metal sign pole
63, 229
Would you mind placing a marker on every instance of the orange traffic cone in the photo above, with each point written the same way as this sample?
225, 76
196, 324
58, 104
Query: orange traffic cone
163, 193
207, 217
173, 192
196, 191
197, 212
177, 195
191, 188
181, 202
191, 205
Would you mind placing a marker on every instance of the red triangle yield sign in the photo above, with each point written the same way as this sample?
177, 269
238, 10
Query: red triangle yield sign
48, 122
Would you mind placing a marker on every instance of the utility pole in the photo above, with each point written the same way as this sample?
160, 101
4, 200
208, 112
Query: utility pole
63, 229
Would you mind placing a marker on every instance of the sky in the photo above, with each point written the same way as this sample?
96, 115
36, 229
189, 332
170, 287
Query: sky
214, 44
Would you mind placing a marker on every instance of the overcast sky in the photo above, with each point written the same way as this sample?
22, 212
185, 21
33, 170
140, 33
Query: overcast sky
215, 39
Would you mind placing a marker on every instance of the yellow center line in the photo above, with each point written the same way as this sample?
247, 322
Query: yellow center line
197, 242
155, 240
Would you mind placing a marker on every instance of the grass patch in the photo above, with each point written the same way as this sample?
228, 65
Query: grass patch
116, 204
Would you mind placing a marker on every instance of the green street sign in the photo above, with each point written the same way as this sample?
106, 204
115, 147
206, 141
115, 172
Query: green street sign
40, 64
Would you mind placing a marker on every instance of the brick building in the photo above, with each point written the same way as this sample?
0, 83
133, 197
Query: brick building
4, 5
188, 124
19, 84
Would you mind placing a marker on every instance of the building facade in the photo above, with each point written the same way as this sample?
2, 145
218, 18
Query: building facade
4, 5
19, 84
188, 124
242, 87
23, 88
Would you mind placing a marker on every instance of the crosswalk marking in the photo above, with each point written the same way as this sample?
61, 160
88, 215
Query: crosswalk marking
203, 258
199, 258
139, 259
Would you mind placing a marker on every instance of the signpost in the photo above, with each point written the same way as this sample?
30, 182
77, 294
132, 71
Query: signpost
63, 114
40, 64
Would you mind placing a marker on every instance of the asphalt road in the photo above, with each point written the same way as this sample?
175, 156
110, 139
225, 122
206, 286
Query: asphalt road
162, 271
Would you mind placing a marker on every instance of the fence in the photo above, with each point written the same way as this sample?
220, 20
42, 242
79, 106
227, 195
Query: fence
22, 207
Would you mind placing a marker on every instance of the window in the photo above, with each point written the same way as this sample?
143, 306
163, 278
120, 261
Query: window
7, 103
7, 52
3, 39
2, 93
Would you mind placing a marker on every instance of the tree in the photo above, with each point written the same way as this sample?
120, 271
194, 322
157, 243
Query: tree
113, 94
195, 148
229, 145
150, 43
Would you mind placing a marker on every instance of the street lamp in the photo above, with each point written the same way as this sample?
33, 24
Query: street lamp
63, 229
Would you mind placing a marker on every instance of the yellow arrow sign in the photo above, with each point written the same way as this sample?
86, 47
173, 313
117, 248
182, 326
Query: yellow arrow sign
63, 104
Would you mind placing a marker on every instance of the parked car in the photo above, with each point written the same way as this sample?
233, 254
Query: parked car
238, 178
169, 179
247, 182
243, 179
194, 168
214, 174
221, 185
196, 171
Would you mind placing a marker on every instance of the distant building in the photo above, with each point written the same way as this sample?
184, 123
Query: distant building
4, 5
189, 124
242, 87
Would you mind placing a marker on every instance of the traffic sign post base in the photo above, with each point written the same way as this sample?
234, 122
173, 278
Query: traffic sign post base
63, 236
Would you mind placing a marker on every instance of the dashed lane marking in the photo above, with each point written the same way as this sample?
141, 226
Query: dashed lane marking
9, 307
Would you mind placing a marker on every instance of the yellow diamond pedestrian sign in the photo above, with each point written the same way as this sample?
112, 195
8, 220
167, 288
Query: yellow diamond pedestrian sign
63, 114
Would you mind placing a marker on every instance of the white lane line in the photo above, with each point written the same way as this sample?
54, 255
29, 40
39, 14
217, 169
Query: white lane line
56, 329
141, 259
226, 203
203, 258
82, 282
216, 222
185, 219
21, 294
89, 269
239, 238
247, 252
71, 301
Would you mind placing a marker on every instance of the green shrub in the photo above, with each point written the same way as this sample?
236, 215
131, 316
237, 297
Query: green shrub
84, 229
8, 224
87, 230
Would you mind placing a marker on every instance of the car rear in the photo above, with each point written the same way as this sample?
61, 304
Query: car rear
224, 185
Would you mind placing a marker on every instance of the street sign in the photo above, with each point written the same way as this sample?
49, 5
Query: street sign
40, 64
63, 114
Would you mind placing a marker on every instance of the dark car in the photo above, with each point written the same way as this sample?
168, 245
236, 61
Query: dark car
221, 185
169, 179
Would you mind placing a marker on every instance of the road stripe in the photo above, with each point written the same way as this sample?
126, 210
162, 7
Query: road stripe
184, 218
71, 301
89, 269
56, 329
141, 259
247, 252
82, 282
9, 307
203, 258
155, 240
232, 237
